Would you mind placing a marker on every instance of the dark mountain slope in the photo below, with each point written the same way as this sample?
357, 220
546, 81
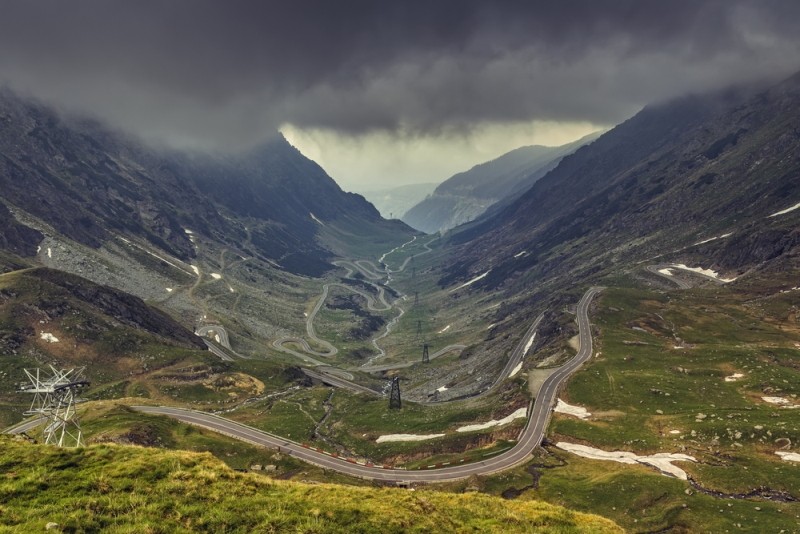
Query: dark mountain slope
670, 177
90, 184
16, 238
466, 195
393, 202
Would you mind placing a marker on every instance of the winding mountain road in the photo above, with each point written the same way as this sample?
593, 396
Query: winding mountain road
519, 352
370, 271
339, 382
539, 413
24, 426
657, 270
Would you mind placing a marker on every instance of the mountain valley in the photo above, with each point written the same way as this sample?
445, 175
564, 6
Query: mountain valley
662, 256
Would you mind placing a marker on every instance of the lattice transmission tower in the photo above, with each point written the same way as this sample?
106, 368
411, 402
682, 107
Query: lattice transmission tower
394, 396
425, 356
54, 398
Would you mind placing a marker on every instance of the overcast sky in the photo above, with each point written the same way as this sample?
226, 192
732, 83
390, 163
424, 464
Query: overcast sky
384, 93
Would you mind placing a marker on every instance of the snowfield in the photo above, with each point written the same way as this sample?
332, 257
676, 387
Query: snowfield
467, 284
407, 437
780, 401
788, 456
705, 272
522, 412
787, 210
723, 236
50, 338
578, 411
528, 345
661, 461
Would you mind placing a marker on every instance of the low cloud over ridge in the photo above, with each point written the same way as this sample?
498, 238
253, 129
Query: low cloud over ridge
227, 73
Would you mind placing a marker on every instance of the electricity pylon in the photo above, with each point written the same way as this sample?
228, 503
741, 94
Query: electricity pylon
54, 399
394, 397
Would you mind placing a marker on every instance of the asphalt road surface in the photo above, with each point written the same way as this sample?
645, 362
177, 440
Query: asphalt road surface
539, 413
682, 284
224, 341
25, 426
518, 353
339, 382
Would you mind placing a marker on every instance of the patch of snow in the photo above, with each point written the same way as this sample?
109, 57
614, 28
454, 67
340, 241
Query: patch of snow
723, 236
169, 289
674, 431
231, 289
407, 437
578, 411
315, 219
50, 338
667, 272
522, 412
529, 345
515, 370
780, 401
479, 277
491, 326
196, 270
661, 461
442, 389
517, 255
305, 314
38, 249
188, 232
49, 252
705, 272
734, 377
788, 456
787, 210
154, 255
445, 329
216, 276
216, 338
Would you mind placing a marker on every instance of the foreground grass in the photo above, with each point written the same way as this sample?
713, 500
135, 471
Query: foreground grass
131, 489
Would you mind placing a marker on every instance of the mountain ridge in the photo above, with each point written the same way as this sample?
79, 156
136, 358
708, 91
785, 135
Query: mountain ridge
88, 183
673, 175
469, 194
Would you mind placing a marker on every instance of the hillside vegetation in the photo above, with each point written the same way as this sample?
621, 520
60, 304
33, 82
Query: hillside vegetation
131, 489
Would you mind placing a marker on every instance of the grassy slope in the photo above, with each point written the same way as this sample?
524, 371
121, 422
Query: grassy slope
121, 359
129, 489
641, 388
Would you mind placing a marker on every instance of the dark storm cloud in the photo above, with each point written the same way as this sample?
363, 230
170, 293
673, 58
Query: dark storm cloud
227, 72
